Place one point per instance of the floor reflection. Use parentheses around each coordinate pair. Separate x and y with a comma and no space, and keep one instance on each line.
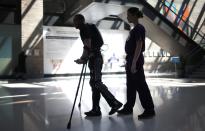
(45,105)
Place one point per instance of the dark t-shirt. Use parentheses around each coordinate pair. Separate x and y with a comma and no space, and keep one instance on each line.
(90,31)
(137,33)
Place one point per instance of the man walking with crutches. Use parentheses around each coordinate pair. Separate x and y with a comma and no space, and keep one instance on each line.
(92,41)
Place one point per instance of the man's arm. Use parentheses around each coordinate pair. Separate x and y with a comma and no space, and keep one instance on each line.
(87,43)
(86,51)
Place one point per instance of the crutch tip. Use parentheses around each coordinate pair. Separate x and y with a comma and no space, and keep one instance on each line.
(79,105)
(69,125)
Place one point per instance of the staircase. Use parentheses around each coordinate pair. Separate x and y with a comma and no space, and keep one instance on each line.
(195,59)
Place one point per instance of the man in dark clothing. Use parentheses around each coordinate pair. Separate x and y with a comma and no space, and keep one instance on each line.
(92,41)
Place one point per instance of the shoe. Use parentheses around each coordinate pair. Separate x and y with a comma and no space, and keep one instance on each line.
(93,113)
(125,111)
(115,108)
(147,114)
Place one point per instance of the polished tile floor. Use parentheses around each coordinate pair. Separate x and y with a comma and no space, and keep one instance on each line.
(45,105)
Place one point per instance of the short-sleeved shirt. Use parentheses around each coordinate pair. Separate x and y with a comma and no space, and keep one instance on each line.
(137,33)
(90,31)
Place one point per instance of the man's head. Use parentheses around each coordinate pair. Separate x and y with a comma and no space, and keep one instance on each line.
(78,21)
(133,14)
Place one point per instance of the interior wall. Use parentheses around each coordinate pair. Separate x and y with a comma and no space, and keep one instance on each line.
(32,42)
(62,45)
(10,44)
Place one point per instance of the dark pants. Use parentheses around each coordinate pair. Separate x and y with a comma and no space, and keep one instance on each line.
(98,88)
(136,83)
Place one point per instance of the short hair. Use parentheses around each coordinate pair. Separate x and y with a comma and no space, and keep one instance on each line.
(135,11)
(79,18)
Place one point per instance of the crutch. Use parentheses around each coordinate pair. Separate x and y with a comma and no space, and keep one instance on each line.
(69,123)
(79,105)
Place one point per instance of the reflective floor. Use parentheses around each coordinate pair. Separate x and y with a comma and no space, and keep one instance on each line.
(45,105)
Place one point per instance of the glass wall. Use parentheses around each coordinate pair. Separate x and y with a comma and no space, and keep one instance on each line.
(10,35)
(5,52)
(187,15)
